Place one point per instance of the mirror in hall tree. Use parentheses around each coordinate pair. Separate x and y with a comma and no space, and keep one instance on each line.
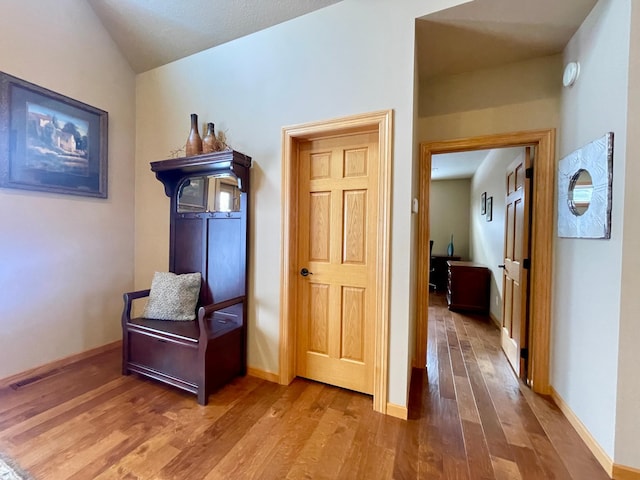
(584,190)
(209,194)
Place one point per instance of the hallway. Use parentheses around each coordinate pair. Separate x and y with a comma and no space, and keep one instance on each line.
(477,420)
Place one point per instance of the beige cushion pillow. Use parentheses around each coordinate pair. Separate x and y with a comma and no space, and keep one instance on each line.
(173,297)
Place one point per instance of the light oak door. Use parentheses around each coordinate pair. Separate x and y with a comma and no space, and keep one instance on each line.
(514,334)
(337,218)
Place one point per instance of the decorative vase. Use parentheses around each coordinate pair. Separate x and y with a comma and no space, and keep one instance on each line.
(194,142)
(209,142)
(450,247)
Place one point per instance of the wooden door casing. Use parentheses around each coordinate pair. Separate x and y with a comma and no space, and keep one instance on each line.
(514,332)
(542,216)
(337,206)
(380,122)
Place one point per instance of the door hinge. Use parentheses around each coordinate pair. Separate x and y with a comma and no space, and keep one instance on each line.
(524,353)
(526,264)
(528,173)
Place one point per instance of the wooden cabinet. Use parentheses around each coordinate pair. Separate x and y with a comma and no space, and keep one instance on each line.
(208,234)
(439,270)
(468,287)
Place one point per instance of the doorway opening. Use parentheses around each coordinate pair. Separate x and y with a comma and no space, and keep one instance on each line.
(542,201)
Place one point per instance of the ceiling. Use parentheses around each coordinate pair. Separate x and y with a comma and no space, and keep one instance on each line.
(452,166)
(479,34)
(488,33)
(460,165)
(151,33)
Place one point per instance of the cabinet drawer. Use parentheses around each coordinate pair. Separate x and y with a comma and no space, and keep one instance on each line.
(168,357)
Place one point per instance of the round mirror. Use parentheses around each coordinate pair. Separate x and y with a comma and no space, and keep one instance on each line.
(580,192)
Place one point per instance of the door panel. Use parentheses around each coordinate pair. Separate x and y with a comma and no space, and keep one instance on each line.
(353,315)
(318,319)
(355,227)
(320,229)
(515,279)
(337,194)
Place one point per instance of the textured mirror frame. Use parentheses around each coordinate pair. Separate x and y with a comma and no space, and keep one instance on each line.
(597,159)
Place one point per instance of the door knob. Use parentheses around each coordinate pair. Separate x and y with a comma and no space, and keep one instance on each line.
(502,266)
(304,272)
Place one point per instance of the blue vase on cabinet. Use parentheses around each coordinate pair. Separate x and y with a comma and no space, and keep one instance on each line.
(450,247)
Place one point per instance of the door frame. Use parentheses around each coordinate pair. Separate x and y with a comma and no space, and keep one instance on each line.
(541,253)
(382,123)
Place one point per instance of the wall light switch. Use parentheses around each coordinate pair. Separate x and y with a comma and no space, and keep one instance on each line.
(414,205)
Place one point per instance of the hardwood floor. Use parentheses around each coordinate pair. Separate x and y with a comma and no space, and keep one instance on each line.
(469,419)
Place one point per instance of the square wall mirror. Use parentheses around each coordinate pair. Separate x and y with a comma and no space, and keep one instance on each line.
(584,190)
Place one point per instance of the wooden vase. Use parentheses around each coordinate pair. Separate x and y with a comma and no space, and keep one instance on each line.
(209,142)
(194,142)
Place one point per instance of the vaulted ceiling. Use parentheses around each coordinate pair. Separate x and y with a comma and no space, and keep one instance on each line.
(478,34)
(151,33)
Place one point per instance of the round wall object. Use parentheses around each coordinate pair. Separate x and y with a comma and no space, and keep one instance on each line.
(571,73)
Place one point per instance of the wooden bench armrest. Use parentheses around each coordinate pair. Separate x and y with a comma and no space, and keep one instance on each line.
(137,294)
(129,297)
(205,311)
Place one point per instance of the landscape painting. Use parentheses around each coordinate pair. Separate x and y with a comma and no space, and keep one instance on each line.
(56,142)
(50,142)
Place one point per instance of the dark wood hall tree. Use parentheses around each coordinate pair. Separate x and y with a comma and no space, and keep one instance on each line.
(208,234)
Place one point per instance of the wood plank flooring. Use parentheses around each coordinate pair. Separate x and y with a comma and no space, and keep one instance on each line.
(470,418)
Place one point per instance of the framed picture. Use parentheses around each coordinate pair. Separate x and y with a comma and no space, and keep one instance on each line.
(49,142)
(483,203)
(489,209)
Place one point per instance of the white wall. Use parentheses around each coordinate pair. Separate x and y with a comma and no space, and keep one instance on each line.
(627,419)
(586,310)
(449,215)
(66,260)
(349,58)
(487,238)
(519,82)
(495,100)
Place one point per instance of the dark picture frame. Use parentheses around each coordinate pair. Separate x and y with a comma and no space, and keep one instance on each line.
(489,209)
(50,142)
(483,203)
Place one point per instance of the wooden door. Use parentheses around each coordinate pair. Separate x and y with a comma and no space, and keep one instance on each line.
(514,336)
(337,219)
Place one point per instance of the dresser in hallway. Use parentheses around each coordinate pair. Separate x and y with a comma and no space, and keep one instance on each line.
(468,286)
